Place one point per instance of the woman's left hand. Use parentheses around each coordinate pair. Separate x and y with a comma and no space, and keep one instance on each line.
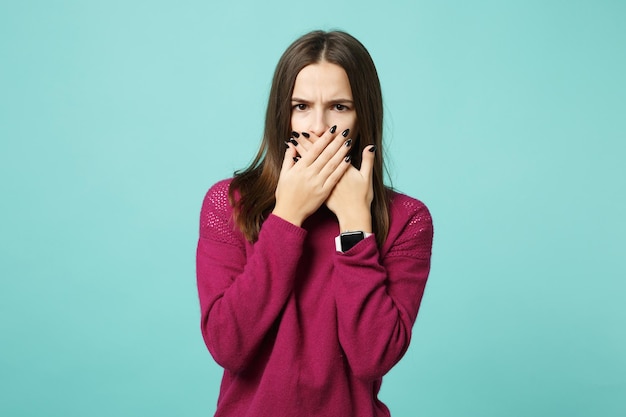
(351,199)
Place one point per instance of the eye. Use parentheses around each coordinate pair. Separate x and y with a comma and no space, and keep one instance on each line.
(340,107)
(300,107)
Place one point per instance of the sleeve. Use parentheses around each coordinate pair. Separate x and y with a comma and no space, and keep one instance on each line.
(241,296)
(377,301)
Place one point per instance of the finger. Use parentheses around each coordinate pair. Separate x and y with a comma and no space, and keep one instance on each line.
(311,146)
(304,139)
(302,143)
(340,157)
(337,148)
(305,146)
(317,144)
(338,172)
(341,160)
(367,164)
(290,155)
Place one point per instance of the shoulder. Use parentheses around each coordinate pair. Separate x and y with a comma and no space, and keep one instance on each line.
(218,191)
(411,225)
(402,206)
(216,213)
(216,199)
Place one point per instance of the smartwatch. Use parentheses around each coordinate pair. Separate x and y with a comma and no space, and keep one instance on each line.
(345,241)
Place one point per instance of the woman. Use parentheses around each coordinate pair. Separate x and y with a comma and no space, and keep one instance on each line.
(310,271)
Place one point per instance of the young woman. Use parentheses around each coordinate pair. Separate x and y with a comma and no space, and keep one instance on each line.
(310,271)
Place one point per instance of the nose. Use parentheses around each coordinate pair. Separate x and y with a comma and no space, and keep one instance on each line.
(319,124)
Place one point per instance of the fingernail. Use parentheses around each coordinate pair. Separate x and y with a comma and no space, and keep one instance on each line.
(347,158)
(295,134)
(333,129)
(296,158)
(373,149)
(348,142)
(345,133)
(287,143)
(295,142)
(306,135)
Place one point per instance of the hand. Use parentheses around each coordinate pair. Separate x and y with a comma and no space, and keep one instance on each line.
(305,183)
(351,199)
(352,196)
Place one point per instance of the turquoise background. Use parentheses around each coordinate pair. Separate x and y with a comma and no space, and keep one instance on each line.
(506,117)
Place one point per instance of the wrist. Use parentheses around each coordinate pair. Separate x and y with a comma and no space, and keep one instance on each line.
(288,216)
(359,220)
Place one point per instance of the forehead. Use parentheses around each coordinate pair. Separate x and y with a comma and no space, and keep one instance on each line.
(322,78)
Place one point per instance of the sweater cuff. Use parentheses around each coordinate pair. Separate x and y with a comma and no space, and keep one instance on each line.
(358,266)
(278,225)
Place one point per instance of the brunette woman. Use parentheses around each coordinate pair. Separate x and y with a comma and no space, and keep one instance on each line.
(310,270)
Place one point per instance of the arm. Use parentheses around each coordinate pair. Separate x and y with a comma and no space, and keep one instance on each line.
(241,295)
(378,301)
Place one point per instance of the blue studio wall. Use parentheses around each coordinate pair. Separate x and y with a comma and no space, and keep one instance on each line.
(507,118)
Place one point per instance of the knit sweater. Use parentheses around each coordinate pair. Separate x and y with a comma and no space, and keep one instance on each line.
(299,328)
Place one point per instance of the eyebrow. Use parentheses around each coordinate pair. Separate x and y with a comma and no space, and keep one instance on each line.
(337,100)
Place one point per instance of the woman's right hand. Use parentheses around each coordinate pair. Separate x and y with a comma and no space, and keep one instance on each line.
(305,183)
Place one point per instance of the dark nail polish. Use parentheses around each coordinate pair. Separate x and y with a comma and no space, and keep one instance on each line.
(373,149)
(348,158)
(348,142)
(306,135)
(287,143)
(296,158)
(295,142)
(295,134)
(345,133)
(333,129)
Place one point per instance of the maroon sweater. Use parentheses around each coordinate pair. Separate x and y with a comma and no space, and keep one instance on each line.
(299,328)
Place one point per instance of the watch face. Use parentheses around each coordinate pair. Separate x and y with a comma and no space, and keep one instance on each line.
(349,239)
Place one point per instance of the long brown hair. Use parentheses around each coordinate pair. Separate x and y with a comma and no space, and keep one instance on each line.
(252,191)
